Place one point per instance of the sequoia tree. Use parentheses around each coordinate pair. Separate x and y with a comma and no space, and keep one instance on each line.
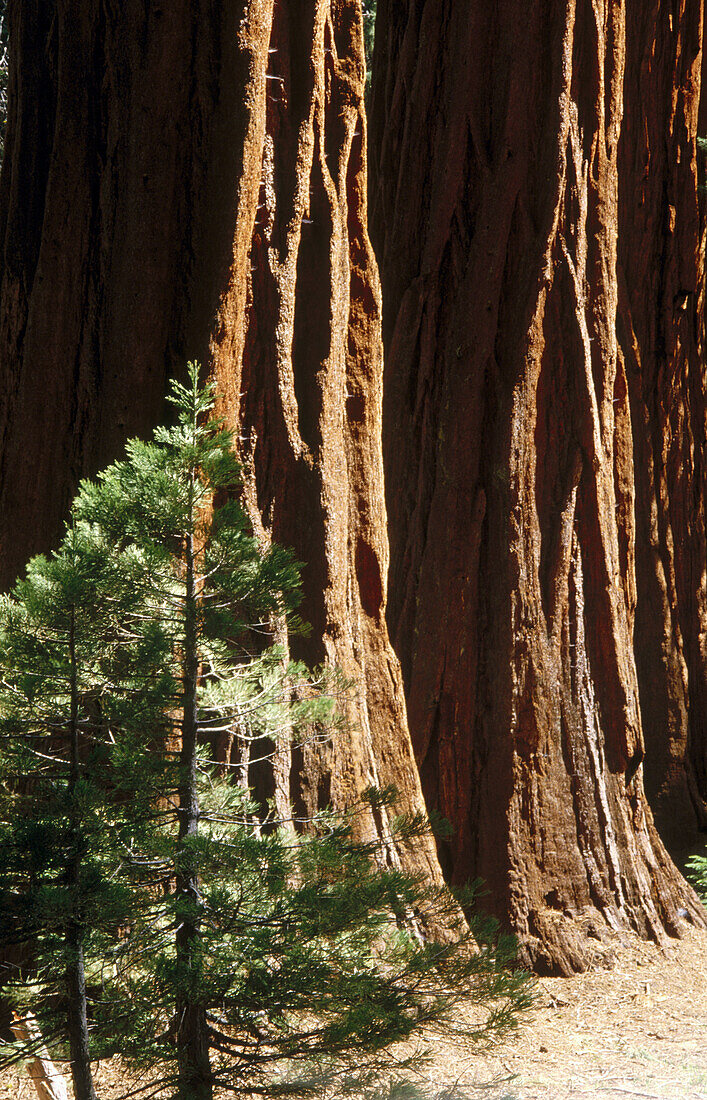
(527,550)
(187,180)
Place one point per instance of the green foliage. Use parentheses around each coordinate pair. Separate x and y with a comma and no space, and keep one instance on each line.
(225,942)
(697,868)
(369,28)
(306,976)
(702,154)
(369,34)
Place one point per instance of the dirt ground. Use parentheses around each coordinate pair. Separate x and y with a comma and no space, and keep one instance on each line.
(635,1026)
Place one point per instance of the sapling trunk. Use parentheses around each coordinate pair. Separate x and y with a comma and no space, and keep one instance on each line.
(195,1079)
(77,1013)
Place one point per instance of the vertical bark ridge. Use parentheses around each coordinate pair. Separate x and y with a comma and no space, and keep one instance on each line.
(307,402)
(509,459)
(661,271)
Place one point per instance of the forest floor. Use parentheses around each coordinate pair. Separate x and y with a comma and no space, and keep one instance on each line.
(633,1026)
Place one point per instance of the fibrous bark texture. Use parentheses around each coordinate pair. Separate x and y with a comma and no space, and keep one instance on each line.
(660,328)
(49,1083)
(509,443)
(187,180)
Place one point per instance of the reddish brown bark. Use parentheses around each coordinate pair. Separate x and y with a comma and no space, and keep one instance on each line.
(660,310)
(188,180)
(509,449)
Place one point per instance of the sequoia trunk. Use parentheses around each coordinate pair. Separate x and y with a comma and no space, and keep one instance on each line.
(187,180)
(509,447)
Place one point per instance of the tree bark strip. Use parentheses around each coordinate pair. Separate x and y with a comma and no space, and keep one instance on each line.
(48,1082)
(509,451)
